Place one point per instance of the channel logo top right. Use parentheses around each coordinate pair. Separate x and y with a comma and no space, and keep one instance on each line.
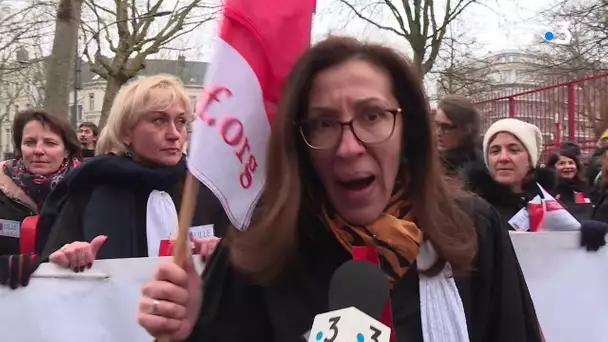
(559,34)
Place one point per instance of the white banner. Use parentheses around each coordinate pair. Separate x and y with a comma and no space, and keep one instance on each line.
(84,307)
(569,287)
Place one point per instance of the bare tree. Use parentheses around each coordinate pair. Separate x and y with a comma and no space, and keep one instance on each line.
(32,77)
(63,57)
(135,37)
(20,26)
(584,56)
(23,28)
(457,70)
(422,23)
(589,24)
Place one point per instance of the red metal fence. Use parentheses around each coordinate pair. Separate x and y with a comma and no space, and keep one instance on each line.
(572,110)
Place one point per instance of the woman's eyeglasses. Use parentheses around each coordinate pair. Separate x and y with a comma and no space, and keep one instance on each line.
(444,127)
(372,127)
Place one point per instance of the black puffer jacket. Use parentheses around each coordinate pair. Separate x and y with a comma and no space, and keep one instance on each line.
(454,161)
(15,205)
(567,188)
(477,178)
(595,165)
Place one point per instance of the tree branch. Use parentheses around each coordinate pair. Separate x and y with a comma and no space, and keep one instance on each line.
(370,21)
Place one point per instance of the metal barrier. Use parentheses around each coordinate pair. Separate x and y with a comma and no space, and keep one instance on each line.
(567,110)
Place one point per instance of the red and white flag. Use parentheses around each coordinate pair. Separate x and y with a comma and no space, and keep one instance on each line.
(259,41)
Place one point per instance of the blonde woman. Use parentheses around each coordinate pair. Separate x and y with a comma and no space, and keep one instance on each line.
(104,210)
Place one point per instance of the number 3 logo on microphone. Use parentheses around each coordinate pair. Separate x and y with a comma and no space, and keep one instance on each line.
(333,328)
(333,333)
(348,325)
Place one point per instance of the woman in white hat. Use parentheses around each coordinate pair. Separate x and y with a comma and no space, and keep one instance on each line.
(511,150)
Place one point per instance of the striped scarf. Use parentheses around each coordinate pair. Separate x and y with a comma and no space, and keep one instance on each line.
(396,238)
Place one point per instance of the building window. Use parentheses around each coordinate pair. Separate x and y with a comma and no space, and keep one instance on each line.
(91,101)
(29,105)
(8,140)
(193,103)
(78,114)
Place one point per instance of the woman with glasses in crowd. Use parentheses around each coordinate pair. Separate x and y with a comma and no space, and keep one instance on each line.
(457,127)
(353,161)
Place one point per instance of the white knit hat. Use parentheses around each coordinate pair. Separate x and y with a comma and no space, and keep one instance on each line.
(528,134)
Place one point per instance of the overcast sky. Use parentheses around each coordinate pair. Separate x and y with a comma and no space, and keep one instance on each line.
(497,25)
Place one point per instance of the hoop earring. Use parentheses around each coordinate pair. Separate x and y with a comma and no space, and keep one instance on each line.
(129,152)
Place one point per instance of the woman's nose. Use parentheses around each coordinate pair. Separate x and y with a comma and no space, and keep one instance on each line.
(38,149)
(503,156)
(173,132)
(348,144)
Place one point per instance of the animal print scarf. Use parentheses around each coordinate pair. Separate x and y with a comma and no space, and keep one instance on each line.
(396,237)
(37,187)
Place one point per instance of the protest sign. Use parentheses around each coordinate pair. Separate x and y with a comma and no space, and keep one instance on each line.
(567,283)
(83,307)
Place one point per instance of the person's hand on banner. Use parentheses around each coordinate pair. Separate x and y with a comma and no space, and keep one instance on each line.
(205,246)
(593,234)
(171,301)
(78,255)
(16,269)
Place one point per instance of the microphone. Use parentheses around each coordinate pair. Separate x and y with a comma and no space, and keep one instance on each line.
(358,293)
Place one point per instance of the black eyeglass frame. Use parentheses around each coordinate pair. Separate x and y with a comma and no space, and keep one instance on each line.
(444,127)
(350,125)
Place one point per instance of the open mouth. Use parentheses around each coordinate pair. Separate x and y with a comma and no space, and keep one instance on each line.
(358,184)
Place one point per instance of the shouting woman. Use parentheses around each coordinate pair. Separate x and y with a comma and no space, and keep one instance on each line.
(353,161)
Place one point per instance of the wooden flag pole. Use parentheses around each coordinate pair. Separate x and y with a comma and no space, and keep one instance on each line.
(181,246)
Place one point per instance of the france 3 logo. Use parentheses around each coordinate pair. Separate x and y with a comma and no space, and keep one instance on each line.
(559,33)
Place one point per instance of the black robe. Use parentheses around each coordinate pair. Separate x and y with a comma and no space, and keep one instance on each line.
(108,195)
(477,179)
(495,296)
(455,160)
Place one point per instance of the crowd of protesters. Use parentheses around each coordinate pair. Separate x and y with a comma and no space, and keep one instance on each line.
(365,143)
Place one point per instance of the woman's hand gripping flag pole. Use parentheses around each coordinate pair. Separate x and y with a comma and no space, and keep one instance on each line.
(181,246)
